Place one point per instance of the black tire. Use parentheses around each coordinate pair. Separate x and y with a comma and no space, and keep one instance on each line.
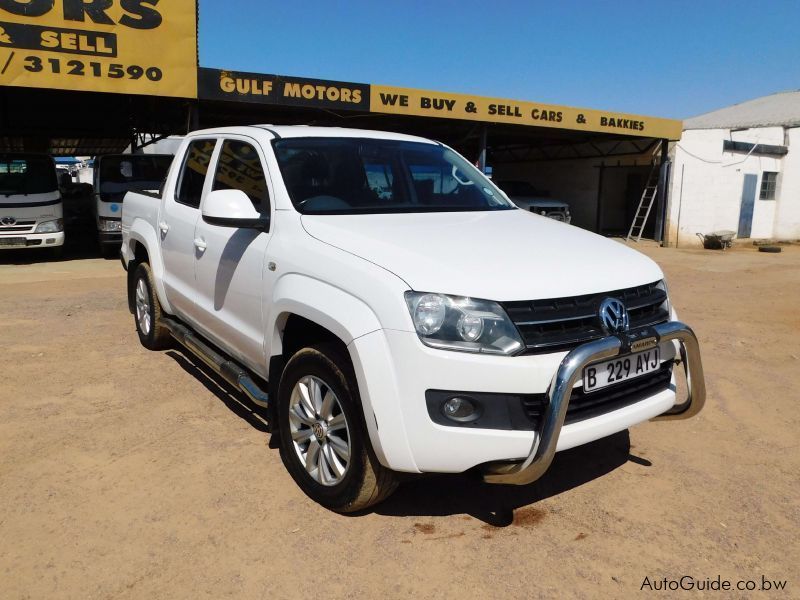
(365,481)
(57,253)
(769,249)
(156,336)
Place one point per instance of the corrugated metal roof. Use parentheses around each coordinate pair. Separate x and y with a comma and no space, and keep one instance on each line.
(776,110)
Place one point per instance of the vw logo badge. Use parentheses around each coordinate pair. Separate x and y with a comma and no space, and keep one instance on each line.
(8,221)
(613,316)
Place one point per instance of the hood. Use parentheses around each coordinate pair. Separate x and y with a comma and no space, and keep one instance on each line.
(495,255)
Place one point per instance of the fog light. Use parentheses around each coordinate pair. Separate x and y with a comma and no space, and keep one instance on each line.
(460,408)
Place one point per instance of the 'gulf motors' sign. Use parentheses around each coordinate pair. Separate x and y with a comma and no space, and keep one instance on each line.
(123,46)
(261,88)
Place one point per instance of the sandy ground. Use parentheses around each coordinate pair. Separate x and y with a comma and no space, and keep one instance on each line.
(131,474)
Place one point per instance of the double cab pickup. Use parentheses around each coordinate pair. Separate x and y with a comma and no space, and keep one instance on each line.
(368,290)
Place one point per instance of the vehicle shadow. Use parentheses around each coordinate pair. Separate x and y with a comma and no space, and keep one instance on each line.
(450,494)
(466,493)
(236,402)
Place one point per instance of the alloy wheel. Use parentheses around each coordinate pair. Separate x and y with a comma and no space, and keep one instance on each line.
(319,430)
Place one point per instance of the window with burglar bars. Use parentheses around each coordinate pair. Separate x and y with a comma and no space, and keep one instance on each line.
(769,181)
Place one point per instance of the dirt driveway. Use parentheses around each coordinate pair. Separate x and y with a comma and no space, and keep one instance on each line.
(131,474)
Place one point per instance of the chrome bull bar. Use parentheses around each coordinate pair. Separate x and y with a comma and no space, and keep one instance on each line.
(544,444)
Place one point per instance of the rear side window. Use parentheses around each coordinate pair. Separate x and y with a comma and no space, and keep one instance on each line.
(240,168)
(193,173)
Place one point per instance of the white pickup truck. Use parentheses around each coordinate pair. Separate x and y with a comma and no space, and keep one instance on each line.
(367,289)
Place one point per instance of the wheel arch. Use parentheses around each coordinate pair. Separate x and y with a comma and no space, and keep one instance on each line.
(142,245)
(328,307)
(307,311)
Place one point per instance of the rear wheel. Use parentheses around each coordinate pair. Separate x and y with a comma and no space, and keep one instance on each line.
(147,310)
(323,439)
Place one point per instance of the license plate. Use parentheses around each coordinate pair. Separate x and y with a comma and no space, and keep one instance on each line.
(622,368)
(13,241)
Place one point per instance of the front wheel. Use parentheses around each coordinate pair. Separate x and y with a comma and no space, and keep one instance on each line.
(323,440)
(147,310)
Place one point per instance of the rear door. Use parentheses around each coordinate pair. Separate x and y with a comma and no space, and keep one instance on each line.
(230,271)
(176,227)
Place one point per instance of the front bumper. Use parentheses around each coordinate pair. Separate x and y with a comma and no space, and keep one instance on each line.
(110,238)
(570,370)
(394,370)
(31,240)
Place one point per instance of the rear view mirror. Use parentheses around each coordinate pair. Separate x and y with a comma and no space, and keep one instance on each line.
(232,208)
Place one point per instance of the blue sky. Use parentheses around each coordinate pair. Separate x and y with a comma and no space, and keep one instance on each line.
(669,58)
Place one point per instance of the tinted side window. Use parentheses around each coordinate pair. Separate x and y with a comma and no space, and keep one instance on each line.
(193,175)
(239,168)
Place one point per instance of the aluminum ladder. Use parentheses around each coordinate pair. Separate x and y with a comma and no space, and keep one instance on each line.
(649,195)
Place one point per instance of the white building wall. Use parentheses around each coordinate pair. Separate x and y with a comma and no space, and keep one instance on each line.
(787,209)
(706,185)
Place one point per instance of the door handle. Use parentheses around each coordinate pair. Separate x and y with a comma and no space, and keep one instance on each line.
(200,244)
(163,226)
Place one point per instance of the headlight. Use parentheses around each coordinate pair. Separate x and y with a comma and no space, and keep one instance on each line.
(464,324)
(110,225)
(50,226)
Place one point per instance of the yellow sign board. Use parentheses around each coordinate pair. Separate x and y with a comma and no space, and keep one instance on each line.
(123,46)
(422,103)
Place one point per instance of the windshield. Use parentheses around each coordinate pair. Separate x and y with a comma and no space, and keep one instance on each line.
(363,176)
(121,174)
(27,175)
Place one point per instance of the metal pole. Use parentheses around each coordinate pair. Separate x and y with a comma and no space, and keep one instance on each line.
(661,205)
(193,118)
(599,198)
(482,154)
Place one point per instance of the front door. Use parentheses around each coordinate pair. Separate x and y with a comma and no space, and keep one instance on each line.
(748,203)
(231,270)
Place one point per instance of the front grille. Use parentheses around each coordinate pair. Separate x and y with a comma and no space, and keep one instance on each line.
(17,227)
(585,406)
(560,324)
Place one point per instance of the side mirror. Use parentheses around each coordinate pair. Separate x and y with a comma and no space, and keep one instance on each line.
(232,208)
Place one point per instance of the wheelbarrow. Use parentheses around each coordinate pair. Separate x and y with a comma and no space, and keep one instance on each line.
(717,240)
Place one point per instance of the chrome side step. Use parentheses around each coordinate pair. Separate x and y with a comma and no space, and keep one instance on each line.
(226,368)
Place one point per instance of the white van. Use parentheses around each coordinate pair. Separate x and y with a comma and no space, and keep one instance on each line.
(114,176)
(31,210)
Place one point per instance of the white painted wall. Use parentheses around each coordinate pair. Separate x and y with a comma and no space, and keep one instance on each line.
(787,213)
(706,186)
